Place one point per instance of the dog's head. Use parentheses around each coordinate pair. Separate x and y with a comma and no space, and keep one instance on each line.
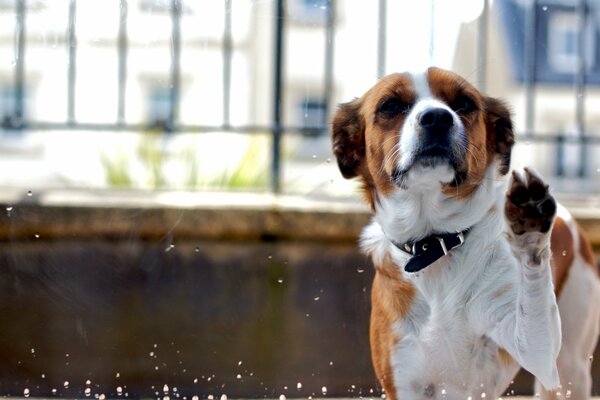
(410,131)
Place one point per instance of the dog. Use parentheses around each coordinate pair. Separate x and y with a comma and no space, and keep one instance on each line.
(478,271)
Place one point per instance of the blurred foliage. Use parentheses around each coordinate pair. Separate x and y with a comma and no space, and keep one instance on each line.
(164,163)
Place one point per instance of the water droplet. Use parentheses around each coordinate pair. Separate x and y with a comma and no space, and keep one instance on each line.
(166,398)
(151,354)
(545,8)
(282,397)
(328,160)
(483,395)
(43,376)
(195,397)
(568,394)
(324,390)
(444,392)
(239,376)
(591,358)
(36,235)
(299,385)
(314,156)
(66,384)
(102,397)
(330,363)
(223,397)
(170,247)
(87,392)
(270,257)
(166,389)
(317,298)
(119,390)
(279,280)
(117,375)
(29,193)
(197,249)
(32,351)
(9,210)
(360,270)
(196,380)
(53,391)
(88,382)
(211,397)
(26,392)
(564,253)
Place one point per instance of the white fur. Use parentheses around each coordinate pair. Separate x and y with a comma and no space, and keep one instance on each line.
(482,297)
(411,132)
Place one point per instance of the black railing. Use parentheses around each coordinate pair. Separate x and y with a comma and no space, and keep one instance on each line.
(277,127)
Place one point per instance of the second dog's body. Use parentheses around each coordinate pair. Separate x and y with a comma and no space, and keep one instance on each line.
(464,292)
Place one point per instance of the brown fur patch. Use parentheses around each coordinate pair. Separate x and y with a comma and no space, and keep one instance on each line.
(563,253)
(585,249)
(504,357)
(391,297)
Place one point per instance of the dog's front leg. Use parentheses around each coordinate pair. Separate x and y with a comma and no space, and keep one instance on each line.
(531,330)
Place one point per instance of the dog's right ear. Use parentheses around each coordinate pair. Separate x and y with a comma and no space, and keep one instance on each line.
(348,137)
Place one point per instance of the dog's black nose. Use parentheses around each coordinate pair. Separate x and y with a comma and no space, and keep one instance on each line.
(436,120)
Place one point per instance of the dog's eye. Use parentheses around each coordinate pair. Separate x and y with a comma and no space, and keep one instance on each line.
(463,105)
(392,106)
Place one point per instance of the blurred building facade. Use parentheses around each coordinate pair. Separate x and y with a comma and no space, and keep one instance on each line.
(124,66)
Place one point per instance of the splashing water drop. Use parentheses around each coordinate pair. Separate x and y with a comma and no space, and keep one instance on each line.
(166,389)
(66,384)
(119,390)
(26,392)
(299,385)
(87,392)
(324,390)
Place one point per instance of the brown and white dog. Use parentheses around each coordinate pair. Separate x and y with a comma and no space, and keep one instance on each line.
(469,264)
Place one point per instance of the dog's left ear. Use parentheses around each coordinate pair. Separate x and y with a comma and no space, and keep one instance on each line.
(500,133)
(348,137)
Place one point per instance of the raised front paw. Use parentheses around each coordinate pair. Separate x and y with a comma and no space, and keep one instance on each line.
(529,206)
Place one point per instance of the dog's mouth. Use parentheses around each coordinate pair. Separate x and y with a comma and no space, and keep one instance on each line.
(429,158)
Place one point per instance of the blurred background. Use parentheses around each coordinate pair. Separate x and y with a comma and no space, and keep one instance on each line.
(175,222)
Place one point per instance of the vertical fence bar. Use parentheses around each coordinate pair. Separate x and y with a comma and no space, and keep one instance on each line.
(329,49)
(175,63)
(227,55)
(431,32)
(18,112)
(482,30)
(276,129)
(123,47)
(580,79)
(529,72)
(381,39)
(71,72)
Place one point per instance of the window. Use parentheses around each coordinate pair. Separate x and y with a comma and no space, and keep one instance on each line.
(563,43)
(309,11)
(313,113)
(557,27)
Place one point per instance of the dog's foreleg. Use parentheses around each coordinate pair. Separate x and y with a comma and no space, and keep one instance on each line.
(531,330)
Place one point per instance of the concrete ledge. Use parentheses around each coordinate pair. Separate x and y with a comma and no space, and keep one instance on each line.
(219,216)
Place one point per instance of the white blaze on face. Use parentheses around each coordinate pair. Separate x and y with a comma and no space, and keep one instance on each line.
(410,134)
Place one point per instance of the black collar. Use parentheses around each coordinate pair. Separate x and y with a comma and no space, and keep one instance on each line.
(426,251)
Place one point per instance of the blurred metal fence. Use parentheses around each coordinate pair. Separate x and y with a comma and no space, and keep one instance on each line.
(277,128)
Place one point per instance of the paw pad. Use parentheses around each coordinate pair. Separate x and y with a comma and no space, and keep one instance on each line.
(529,206)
